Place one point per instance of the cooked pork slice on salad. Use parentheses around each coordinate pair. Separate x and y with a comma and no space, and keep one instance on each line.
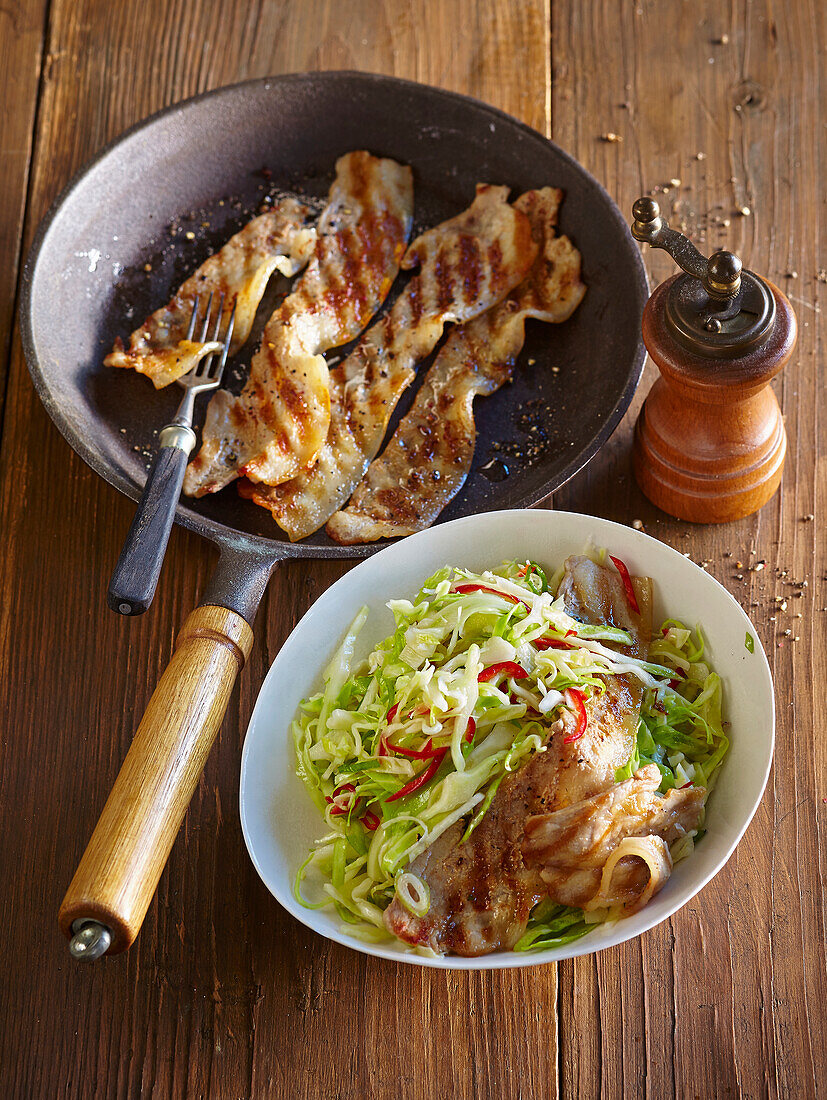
(523,758)
(572,845)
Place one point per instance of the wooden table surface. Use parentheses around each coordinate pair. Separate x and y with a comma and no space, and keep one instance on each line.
(224,995)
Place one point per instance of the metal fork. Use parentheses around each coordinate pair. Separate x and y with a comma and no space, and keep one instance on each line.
(135,578)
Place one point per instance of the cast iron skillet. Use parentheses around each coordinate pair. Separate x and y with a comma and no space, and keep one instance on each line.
(142,215)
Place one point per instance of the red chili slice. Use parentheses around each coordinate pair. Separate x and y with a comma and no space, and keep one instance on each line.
(505,668)
(555,643)
(687,784)
(344,788)
(578,699)
(338,811)
(627,583)
(675,684)
(425,753)
(370,820)
(464,588)
(421,779)
(389,717)
(428,751)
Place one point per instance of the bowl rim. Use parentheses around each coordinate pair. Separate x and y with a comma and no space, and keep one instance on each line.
(501,959)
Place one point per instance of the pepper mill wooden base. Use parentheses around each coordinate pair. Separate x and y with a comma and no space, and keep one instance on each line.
(710,442)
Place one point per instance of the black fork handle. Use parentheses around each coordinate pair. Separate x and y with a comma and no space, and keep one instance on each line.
(136,574)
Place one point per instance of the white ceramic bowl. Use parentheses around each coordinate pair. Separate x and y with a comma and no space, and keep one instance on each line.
(279,820)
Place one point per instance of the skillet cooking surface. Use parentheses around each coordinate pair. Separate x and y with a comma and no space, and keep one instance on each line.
(204,166)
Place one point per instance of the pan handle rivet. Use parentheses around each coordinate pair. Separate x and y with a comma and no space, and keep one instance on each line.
(125,608)
(90,940)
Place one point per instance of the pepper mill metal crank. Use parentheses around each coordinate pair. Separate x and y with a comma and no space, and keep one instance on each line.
(710,442)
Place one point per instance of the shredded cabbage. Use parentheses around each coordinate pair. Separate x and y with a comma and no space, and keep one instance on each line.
(402,745)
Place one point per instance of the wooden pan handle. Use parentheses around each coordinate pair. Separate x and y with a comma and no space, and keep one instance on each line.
(124,859)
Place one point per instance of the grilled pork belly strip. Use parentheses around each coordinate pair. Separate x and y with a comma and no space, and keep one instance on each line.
(278,423)
(483,891)
(571,846)
(279,240)
(426,462)
(466,265)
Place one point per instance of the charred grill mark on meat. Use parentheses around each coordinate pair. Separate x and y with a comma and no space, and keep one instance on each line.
(426,462)
(570,846)
(279,240)
(364,390)
(279,422)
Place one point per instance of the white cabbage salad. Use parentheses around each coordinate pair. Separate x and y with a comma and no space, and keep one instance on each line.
(398,747)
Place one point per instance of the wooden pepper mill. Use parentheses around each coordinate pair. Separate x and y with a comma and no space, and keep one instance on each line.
(710,442)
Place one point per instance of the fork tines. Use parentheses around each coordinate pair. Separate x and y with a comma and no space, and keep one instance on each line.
(204,369)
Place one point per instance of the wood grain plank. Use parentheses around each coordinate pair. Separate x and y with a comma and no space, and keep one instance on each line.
(579,1037)
(658,989)
(749,107)
(223,993)
(22,44)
